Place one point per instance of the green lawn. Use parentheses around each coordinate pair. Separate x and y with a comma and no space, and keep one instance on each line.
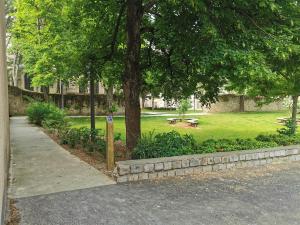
(221,125)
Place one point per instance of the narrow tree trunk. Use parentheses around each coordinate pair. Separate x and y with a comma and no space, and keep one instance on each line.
(62,95)
(294,112)
(45,91)
(132,76)
(152,102)
(110,99)
(92,107)
(143,101)
(242,103)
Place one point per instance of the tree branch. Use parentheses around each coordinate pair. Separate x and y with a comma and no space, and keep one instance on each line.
(115,33)
(147,6)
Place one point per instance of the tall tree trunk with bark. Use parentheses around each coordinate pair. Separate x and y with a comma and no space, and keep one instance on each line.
(45,91)
(152,102)
(242,103)
(92,106)
(294,112)
(132,76)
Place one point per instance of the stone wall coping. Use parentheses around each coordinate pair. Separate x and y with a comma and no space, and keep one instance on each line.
(207,155)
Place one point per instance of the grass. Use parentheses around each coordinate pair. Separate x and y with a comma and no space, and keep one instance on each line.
(217,126)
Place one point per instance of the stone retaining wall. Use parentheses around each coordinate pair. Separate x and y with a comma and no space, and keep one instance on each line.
(75,104)
(134,170)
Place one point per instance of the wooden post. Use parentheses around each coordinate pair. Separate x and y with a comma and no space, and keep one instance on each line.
(110,157)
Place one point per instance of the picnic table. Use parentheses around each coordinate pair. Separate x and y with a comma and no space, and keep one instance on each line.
(173,120)
(193,122)
(283,120)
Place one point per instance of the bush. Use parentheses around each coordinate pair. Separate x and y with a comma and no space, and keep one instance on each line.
(46,115)
(172,144)
(81,137)
(279,139)
(38,111)
(289,129)
(226,145)
(164,145)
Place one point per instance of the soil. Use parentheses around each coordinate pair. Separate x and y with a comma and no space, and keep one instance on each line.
(14,217)
(95,159)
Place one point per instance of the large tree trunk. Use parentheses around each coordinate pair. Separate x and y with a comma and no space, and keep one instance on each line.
(294,112)
(242,103)
(92,107)
(132,76)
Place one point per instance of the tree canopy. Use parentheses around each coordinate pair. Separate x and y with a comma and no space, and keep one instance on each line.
(188,47)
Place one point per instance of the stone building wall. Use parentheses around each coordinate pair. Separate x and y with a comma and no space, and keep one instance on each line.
(231,103)
(75,104)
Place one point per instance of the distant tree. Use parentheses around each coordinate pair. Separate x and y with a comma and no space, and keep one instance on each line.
(183,107)
(275,70)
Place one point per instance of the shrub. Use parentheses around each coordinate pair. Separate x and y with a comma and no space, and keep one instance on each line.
(226,145)
(279,139)
(38,111)
(82,137)
(164,145)
(289,128)
(172,144)
(46,115)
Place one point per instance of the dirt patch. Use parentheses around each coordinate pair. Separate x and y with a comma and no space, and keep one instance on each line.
(95,159)
(14,217)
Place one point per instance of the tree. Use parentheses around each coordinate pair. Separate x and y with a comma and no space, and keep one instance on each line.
(38,36)
(278,47)
(183,107)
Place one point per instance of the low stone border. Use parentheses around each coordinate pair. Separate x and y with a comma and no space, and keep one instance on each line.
(143,169)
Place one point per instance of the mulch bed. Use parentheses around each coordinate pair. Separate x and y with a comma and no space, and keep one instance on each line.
(14,217)
(95,159)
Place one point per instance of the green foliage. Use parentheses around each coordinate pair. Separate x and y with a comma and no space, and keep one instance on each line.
(46,114)
(81,137)
(227,145)
(279,139)
(184,106)
(289,129)
(154,145)
(164,144)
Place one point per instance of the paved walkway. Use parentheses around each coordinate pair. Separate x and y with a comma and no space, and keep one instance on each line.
(54,188)
(41,166)
(245,197)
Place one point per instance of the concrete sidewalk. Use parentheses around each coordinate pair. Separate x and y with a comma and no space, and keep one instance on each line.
(40,166)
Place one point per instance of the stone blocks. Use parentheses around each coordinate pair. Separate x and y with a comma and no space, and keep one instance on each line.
(133,170)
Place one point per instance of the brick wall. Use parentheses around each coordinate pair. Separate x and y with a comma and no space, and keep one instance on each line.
(134,170)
